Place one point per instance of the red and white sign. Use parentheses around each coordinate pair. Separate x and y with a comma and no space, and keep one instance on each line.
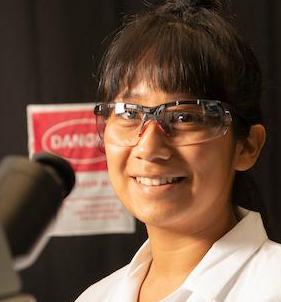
(69,130)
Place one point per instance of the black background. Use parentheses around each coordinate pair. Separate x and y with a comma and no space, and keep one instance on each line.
(49,52)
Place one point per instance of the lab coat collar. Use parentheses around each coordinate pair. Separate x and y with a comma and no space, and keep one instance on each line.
(135,273)
(227,256)
(224,258)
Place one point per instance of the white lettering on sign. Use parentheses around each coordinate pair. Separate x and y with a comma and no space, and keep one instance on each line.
(87,140)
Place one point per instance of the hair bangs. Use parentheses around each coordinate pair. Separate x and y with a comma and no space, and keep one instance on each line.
(165,59)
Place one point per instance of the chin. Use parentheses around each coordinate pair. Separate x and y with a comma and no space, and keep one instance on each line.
(161,218)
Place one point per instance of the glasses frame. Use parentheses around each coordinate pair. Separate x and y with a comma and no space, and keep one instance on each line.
(154,113)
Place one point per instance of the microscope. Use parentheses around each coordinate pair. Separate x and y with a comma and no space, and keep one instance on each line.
(10,283)
(31,192)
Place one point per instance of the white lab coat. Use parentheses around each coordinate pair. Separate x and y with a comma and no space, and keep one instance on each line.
(242,266)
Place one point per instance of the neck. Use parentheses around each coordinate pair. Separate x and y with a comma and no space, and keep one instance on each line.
(177,253)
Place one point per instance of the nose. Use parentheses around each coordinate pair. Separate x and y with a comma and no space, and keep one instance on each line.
(153,145)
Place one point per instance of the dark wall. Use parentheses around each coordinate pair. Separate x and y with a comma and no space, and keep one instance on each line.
(259,22)
(50,50)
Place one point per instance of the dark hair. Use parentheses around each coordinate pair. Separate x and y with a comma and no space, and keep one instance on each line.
(186,46)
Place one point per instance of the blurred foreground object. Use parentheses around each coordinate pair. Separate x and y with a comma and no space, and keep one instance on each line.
(31,192)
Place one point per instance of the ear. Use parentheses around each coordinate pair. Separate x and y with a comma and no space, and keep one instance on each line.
(248,150)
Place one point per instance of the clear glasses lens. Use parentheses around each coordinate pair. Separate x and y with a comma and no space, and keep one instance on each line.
(184,123)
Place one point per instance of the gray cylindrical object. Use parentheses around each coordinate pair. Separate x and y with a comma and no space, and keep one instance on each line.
(30,194)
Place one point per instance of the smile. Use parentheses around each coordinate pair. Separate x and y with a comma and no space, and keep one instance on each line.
(158,181)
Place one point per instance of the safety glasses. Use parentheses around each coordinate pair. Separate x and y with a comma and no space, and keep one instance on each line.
(183,122)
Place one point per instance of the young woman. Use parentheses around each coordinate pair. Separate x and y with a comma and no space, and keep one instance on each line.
(180,119)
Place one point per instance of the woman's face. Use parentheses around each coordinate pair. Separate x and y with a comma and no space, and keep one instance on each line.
(205,172)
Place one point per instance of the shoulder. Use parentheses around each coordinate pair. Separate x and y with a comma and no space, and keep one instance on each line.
(104,289)
(266,263)
(268,257)
(260,278)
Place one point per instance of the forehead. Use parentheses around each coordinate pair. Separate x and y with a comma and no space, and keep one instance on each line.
(143,94)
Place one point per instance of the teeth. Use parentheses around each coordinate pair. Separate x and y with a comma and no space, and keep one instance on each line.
(155,181)
(170,179)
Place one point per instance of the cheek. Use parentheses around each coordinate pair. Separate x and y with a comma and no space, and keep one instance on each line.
(212,165)
(116,162)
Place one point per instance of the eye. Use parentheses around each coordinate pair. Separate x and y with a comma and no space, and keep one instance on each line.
(130,114)
(187,121)
(187,117)
(128,118)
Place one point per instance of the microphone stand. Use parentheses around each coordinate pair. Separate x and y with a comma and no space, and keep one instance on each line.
(10,283)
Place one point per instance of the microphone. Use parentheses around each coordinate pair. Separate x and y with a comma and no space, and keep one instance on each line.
(31,191)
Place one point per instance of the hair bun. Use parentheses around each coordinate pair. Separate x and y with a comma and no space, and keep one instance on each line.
(177,6)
